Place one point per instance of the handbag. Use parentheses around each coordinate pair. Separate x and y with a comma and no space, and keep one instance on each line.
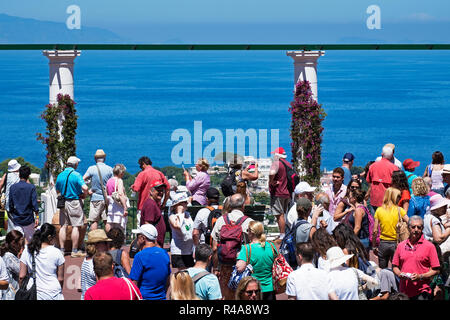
(280,271)
(115,195)
(30,294)
(61,199)
(361,294)
(236,276)
(401,228)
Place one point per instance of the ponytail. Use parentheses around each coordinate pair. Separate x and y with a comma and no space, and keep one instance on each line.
(41,235)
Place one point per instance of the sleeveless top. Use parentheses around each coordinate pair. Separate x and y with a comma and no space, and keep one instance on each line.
(364,231)
(436,179)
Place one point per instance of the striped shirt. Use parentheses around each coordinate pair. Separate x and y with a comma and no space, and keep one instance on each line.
(88,278)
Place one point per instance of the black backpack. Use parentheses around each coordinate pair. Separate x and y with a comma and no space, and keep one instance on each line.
(214,214)
(292,176)
(228,184)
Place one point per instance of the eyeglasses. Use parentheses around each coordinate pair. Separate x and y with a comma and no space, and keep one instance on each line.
(252,292)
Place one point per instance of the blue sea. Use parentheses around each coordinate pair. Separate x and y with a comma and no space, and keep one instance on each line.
(129,103)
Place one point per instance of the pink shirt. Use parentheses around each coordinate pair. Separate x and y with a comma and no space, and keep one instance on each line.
(418,258)
(380,178)
(198,187)
(112,289)
(335,198)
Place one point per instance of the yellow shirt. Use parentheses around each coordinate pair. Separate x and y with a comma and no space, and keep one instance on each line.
(388,220)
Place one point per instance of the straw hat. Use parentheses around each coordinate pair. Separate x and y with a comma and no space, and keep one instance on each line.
(97,235)
(100,154)
(336,257)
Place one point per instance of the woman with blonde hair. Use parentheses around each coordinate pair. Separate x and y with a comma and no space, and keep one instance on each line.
(249,288)
(199,185)
(182,287)
(420,200)
(260,255)
(387,217)
(241,187)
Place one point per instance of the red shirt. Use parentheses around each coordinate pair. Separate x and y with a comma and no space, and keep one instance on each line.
(380,178)
(112,289)
(278,187)
(418,258)
(143,182)
(151,213)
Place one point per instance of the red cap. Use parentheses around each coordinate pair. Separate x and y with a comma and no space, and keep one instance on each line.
(157,183)
(410,163)
(279,150)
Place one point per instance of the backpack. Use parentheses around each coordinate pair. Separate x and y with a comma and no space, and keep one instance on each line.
(119,271)
(287,247)
(292,176)
(228,184)
(214,214)
(231,238)
(371,225)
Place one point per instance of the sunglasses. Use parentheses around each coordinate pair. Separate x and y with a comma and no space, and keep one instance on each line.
(354,187)
(416,227)
(252,292)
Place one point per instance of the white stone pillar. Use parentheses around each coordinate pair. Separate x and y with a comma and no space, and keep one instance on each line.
(61,72)
(305,67)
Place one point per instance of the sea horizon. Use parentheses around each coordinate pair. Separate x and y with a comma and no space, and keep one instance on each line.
(130,103)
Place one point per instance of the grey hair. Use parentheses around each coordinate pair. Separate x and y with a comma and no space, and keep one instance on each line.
(236,201)
(119,169)
(415,218)
(427,181)
(323,199)
(387,152)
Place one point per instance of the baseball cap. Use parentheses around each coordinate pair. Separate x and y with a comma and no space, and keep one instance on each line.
(280,151)
(348,157)
(302,187)
(156,184)
(410,163)
(212,193)
(148,230)
(73,160)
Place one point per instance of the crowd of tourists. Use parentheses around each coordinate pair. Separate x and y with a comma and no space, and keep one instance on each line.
(381,234)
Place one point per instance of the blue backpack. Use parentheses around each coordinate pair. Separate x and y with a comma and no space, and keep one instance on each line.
(288,244)
(119,271)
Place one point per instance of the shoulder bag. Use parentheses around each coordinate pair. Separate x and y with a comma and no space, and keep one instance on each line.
(361,294)
(61,199)
(236,276)
(280,271)
(132,289)
(23,293)
(105,197)
(401,228)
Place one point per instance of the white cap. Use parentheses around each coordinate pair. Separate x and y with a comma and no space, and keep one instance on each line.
(303,187)
(73,160)
(148,230)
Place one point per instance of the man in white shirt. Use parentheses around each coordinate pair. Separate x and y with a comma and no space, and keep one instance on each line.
(201,229)
(308,282)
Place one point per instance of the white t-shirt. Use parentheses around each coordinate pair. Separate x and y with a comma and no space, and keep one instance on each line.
(344,282)
(3,271)
(47,262)
(308,283)
(182,242)
(428,221)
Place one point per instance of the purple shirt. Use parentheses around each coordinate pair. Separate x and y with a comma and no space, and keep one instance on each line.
(335,198)
(198,187)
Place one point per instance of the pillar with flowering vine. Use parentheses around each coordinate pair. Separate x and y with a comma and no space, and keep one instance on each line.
(307,117)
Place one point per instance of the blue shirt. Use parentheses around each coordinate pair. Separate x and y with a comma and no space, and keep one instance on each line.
(208,287)
(92,173)
(74,184)
(347,175)
(151,269)
(418,206)
(23,203)
(410,176)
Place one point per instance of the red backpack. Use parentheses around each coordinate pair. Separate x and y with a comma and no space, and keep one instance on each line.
(231,237)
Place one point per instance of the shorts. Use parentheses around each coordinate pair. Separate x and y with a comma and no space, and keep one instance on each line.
(72,214)
(182,261)
(97,211)
(279,206)
(27,231)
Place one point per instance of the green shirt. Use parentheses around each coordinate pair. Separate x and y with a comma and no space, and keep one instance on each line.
(261,260)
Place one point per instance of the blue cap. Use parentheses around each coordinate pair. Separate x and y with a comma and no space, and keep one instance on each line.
(348,157)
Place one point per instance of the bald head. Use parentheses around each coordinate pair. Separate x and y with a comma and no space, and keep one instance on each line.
(237,201)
